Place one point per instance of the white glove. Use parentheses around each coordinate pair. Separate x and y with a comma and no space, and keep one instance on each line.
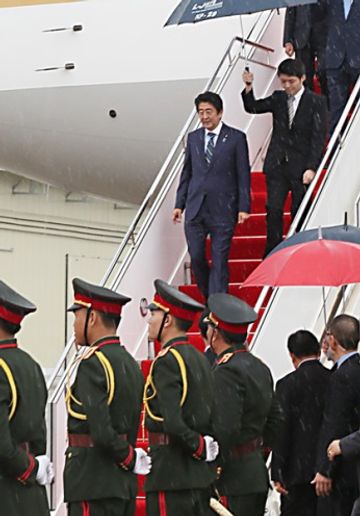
(142,462)
(45,473)
(212,448)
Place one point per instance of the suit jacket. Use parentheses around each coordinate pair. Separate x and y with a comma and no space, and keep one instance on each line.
(341,417)
(350,447)
(343,36)
(303,143)
(302,395)
(305,25)
(97,472)
(225,183)
(245,409)
(23,433)
(179,464)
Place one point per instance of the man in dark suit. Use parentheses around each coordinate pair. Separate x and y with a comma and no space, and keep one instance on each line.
(297,142)
(24,469)
(342,55)
(178,403)
(305,36)
(214,191)
(302,395)
(341,415)
(246,413)
(104,406)
(349,448)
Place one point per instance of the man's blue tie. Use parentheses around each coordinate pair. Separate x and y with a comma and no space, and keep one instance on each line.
(209,152)
(347,7)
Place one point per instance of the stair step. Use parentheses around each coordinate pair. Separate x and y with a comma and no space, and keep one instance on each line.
(258,181)
(258,202)
(239,270)
(197,341)
(256,225)
(140,506)
(244,247)
(248,294)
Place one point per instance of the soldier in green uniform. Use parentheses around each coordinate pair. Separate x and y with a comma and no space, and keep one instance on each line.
(24,469)
(178,403)
(246,416)
(104,405)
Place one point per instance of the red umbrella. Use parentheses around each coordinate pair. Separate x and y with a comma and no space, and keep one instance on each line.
(319,262)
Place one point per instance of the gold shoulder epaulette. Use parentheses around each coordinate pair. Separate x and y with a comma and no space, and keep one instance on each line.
(89,353)
(225,358)
(162,352)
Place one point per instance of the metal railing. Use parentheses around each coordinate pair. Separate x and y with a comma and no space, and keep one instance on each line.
(238,49)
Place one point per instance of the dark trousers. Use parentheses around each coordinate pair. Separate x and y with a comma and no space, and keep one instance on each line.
(307,55)
(279,182)
(215,278)
(343,499)
(339,82)
(106,507)
(301,500)
(16,499)
(356,508)
(246,505)
(194,502)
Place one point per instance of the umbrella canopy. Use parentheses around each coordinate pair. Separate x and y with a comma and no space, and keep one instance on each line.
(319,262)
(192,11)
(343,232)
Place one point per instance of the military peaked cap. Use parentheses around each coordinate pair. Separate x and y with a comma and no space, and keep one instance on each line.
(171,300)
(87,295)
(230,313)
(13,306)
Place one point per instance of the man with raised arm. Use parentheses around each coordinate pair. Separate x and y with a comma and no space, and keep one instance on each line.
(297,141)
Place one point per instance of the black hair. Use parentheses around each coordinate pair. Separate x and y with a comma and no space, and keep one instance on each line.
(8,327)
(182,325)
(291,67)
(110,320)
(212,98)
(346,330)
(232,338)
(303,343)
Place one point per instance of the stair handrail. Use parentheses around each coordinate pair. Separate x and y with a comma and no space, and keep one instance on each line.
(178,147)
(332,150)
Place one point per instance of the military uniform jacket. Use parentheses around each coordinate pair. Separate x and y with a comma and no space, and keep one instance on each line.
(179,398)
(105,403)
(245,409)
(23,398)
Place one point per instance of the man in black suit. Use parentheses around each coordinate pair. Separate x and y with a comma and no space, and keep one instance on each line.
(342,55)
(349,448)
(298,138)
(341,415)
(302,396)
(214,191)
(305,36)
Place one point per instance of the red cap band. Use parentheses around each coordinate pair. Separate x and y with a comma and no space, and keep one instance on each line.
(11,317)
(240,329)
(96,304)
(181,313)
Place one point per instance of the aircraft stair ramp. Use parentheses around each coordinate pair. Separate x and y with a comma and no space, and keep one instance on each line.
(154,247)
